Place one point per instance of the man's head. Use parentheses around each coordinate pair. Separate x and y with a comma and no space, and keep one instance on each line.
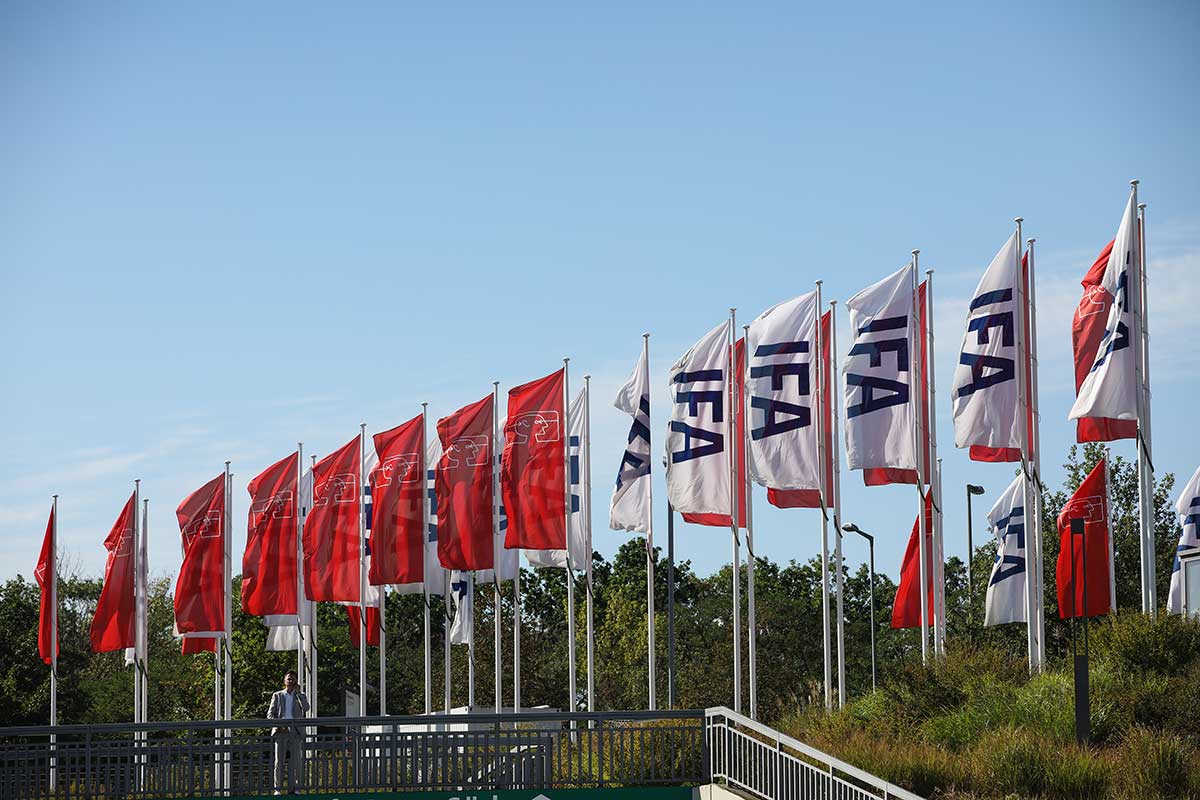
(289,680)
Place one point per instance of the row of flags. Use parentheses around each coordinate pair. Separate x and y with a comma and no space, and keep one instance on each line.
(436,514)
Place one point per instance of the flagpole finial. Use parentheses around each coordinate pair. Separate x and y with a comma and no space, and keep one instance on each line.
(746,328)
(1030,240)
(425,404)
(54,496)
(587,377)
(833,302)
(496,384)
(1018,220)
(1134,183)
(818,282)
(1141,206)
(565,360)
(928,272)
(645,336)
(916,252)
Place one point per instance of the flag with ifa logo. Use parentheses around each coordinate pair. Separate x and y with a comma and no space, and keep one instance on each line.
(464,487)
(699,430)
(397,497)
(113,623)
(533,469)
(1005,600)
(331,531)
(269,562)
(1083,569)
(200,587)
(1188,508)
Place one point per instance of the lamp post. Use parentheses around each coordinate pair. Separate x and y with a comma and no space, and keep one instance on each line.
(972,489)
(852,528)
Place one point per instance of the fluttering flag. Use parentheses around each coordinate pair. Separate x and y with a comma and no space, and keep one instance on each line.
(433,569)
(906,610)
(200,587)
(984,393)
(464,486)
(46,574)
(355,620)
(397,497)
(283,630)
(878,380)
(738,368)
(1106,357)
(464,607)
(1188,509)
(577,536)
(533,468)
(114,623)
(1006,587)
(698,450)
(331,532)
(1083,567)
(269,563)
(630,508)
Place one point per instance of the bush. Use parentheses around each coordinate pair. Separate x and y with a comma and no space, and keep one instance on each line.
(1152,764)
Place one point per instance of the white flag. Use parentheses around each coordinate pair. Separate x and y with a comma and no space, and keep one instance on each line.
(781,383)
(1006,586)
(984,389)
(464,607)
(878,375)
(1110,388)
(1188,508)
(630,509)
(433,567)
(577,538)
(698,435)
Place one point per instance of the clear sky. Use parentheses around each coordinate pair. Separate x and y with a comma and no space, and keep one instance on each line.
(226,228)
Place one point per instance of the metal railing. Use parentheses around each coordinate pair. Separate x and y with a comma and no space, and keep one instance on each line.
(532,750)
(749,756)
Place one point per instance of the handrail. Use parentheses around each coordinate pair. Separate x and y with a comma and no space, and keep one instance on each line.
(783,740)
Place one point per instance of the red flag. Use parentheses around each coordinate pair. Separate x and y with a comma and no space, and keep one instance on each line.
(906,611)
(356,626)
(198,644)
(113,624)
(464,487)
(46,575)
(532,473)
(1087,329)
(269,563)
(811,498)
(1089,503)
(397,505)
(200,587)
(331,531)
(739,378)
(882,476)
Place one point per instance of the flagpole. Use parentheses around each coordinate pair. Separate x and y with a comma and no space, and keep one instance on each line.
(746,489)
(471,643)
(652,704)
(731,394)
(426,621)
(517,637)
(572,685)
(835,457)
(137,676)
(819,407)
(446,640)
(383,589)
(139,651)
(362,579)
(918,450)
(227,641)
(1036,446)
(302,673)
(495,459)
(1145,454)
(53,580)
(1024,408)
(585,509)
(939,571)
(1108,520)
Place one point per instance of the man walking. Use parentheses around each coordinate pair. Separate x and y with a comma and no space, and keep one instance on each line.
(287,704)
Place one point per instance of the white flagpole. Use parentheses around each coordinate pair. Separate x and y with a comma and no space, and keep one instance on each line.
(470,598)
(652,704)
(302,673)
(746,488)
(731,394)
(53,581)
(572,686)
(1034,560)
(585,509)
(137,675)
(819,408)
(383,590)
(362,579)
(939,572)
(918,452)
(1145,453)
(1112,568)
(227,641)
(446,622)
(424,476)
(835,457)
(310,637)
(140,650)
(495,458)
(1023,406)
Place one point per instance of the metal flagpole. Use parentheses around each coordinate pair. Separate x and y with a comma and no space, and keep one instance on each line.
(572,686)
(746,488)
(670,605)
(424,475)
(137,675)
(446,622)
(819,407)
(517,637)
(652,704)
(52,579)
(495,460)
(1035,442)
(1145,453)
(383,589)
(939,568)
(140,651)
(310,634)
(1112,570)
(471,643)
(362,579)
(1026,482)
(585,509)
(227,641)
(835,458)
(732,395)
(301,672)
(919,450)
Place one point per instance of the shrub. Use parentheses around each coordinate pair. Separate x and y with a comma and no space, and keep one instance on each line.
(1140,645)
(1152,764)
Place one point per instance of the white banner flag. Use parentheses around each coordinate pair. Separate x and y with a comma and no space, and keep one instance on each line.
(464,608)
(1188,508)
(630,510)
(1006,587)
(782,383)
(698,441)
(577,539)
(1110,388)
(433,567)
(984,389)
(878,375)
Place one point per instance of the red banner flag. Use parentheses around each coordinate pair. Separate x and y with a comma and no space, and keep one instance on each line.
(739,378)
(200,587)
(463,485)
(46,575)
(397,505)
(811,498)
(356,625)
(331,531)
(882,476)
(269,563)
(1087,329)
(1089,503)
(532,472)
(113,624)
(198,644)
(906,611)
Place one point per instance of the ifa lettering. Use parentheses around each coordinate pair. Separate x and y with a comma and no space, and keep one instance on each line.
(780,416)
(879,392)
(713,442)
(1010,565)
(543,427)
(989,370)
(1118,338)
(636,461)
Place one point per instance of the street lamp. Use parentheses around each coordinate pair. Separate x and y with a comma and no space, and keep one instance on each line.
(852,528)
(972,489)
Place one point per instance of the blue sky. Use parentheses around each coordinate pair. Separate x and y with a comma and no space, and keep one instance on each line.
(226,228)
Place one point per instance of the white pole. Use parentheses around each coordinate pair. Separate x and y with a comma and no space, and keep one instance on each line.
(939,571)
(1023,404)
(362,579)
(140,651)
(137,674)
(227,641)
(1112,570)
(819,408)
(1145,452)
(53,581)
(446,622)
(585,508)
(1036,445)
(747,489)
(919,450)
(732,395)
(653,704)
(471,643)
(572,685)
(495,458)
(383,589)
(426,621)
(301,672)
(310,630)
(835,457)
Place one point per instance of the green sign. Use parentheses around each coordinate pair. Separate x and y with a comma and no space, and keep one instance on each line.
(627,793)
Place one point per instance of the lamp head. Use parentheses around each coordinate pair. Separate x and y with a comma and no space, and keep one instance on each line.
(973,489)
(851,528)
